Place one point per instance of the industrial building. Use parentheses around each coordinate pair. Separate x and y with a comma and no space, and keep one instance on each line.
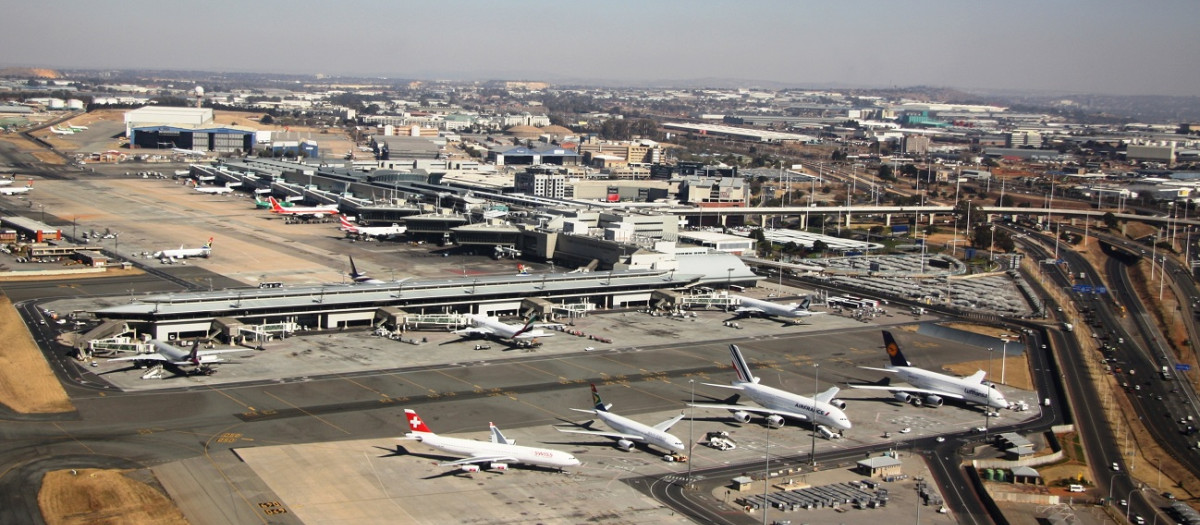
(155,127)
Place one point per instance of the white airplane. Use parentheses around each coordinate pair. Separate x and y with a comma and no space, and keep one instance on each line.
(482,325)
(494,455)
(212,190)
(315,212)
(750,306)
(6,182)
(627,431)
(13,190)
(73,127)
(188,152)
(61,131)
(930,387)
(394,230)
(169,256)
(822,411)
(175,358)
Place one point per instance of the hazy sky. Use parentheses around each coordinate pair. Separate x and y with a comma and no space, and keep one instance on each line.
(1092,46)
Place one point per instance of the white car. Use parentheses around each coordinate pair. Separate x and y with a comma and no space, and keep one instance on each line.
(589,348)
(905,430)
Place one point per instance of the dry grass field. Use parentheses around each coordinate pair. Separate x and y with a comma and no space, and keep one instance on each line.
(92,497)
(26,383)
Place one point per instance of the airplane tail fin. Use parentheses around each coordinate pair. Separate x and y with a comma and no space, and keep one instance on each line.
(415,423)
(599,403)
(274,204)
(739,364)
(354,269)
(209,243)
(805,303)
(194,355)
(498,437)
(893,350)
(346,224)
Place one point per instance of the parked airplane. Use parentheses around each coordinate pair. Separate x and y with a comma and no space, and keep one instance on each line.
(13,190)
(930,387)
(212,190)
(777,404)
(188,152)
(61,131)
(627,431)
(482,325)
(494,455)
(394,230)
(266,205)
(73,127)
(170,356)
(750,306)
(169,256)
(6,182)
(315,212)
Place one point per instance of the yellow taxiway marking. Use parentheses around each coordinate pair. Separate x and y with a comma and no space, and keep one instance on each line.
(305,412)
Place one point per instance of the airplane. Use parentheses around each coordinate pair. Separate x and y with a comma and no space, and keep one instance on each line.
(73,127)
(750,306)
(315,212)
(188,152)
(265,205)
(627,431)
(213,190)
(372,231)
(175,358)
(361,278)
(168,256)
(482,325)
(61,131)
(493,455)
(13,190)
(821,411)
(6,182)
(930,387)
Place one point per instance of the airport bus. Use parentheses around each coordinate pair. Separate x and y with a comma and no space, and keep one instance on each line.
(852,302)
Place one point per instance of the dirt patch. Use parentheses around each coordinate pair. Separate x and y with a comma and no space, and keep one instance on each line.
(990,331)
(48,157)
(1015,370)
(27,385)
(92,496)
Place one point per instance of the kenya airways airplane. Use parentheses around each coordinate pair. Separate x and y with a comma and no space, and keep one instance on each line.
(493,455)
(394,230)
(316,212)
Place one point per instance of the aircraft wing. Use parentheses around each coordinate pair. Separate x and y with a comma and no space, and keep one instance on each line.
(477,459)
(533,334)
(757,410)
(748,309)
(911,389)
(616,435)
(203,353)
(475,330)
(142,357)
(666,425)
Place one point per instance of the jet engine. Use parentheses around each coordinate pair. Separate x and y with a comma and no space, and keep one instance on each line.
(470,468)
(741,416)
(933,401)
(902,397)
(498,466)
(625,444)
(775,421)
(837,403)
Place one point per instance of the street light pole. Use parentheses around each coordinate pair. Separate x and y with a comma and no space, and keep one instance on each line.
(987,410)
(1003,354)
(766,473)
(812,457)
(691,436)
(728,279)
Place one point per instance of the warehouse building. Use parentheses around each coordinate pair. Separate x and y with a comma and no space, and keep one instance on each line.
(155,127)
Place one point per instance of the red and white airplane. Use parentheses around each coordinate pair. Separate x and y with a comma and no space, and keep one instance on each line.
(394,230)
(493,455)
(316,212)
(13,190)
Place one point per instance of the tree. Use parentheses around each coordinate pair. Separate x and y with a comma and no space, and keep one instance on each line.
(1005,201)
(1110,220)
(885,172)
(819,246)
(266,119)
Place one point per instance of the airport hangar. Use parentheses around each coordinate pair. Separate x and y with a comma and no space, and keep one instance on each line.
(229,313)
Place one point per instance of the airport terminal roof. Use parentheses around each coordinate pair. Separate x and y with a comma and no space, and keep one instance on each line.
(196,128)
(336,296)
